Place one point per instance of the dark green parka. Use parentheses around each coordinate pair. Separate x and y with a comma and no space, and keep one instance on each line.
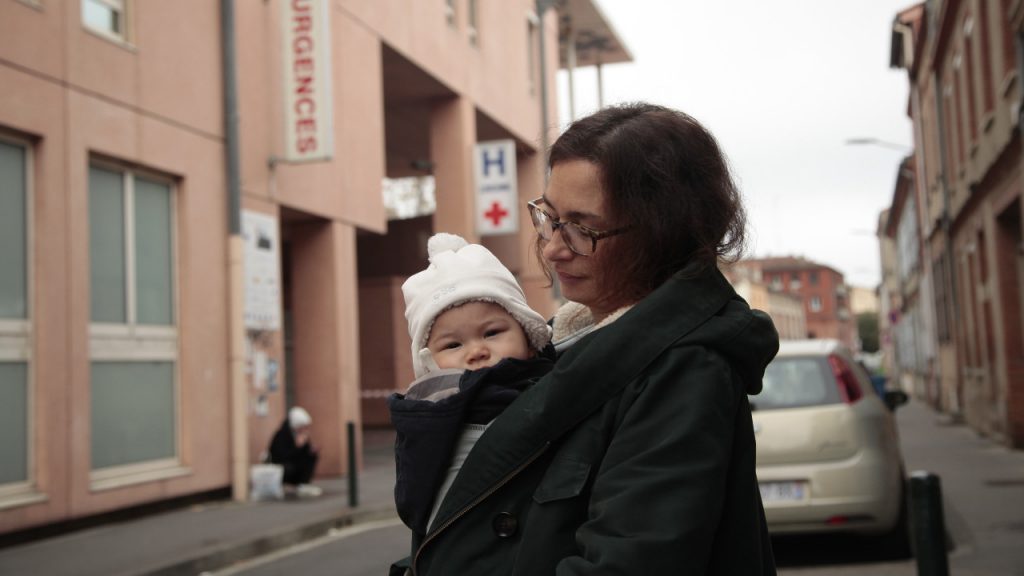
(635,455)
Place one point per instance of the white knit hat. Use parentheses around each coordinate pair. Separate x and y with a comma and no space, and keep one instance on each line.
(458,273)
(298,417)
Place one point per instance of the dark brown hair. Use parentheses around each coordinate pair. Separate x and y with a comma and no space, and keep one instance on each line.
(664,175)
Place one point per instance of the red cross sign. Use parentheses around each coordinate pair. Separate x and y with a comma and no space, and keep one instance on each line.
(496,213)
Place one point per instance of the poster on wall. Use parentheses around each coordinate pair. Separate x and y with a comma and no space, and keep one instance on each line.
(497,194)
(306,77)
(262,271)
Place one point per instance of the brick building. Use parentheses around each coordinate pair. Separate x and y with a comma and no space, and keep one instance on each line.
(963,62)
(821,288)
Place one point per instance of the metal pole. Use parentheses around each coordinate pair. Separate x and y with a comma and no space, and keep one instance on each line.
(236,275)
(600,86)
(542,8)
(928,524)
(572,72)
(353,472)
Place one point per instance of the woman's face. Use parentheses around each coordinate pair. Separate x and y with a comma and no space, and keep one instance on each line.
(575,194)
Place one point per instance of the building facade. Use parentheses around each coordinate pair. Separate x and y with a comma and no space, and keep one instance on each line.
(154,325)
(963,64)
(786,310)
(909,311)
(821,289)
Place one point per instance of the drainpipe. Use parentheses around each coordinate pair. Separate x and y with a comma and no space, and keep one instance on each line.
(542,8)
(238,405)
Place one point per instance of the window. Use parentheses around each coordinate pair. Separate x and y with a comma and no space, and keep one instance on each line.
(472,28)
(15,318)
(133,331)
(776,282)
(812,277)
(815,303)
(106,17)
(449,12)
(532,28)
(794,282)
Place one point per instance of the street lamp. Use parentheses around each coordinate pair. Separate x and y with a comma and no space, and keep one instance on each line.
(877,142)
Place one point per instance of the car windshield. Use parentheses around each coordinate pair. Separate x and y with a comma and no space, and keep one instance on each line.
(797,381)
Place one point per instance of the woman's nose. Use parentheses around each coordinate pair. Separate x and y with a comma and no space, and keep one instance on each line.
(556,249)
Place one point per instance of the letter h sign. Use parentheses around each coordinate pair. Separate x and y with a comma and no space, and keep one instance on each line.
(497,194)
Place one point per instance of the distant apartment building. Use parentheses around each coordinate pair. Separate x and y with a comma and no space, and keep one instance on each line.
(888,297)
(786,310)
(198,234)
(821,289)
(964,68)
(863,300)
(908,289)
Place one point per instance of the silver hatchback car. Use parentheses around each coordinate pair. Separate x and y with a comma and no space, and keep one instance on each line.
(828,453)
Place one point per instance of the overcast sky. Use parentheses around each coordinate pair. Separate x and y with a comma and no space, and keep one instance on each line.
(782,84)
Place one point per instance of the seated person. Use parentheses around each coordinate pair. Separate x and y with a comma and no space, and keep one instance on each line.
(292,449)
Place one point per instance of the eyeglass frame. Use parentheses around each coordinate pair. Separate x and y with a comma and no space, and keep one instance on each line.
(557,223)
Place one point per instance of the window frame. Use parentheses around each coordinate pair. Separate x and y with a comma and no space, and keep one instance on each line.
(815,304)
(121,7)
(532,50)
(450,13)
(473,22)
(16,341)
(131,341)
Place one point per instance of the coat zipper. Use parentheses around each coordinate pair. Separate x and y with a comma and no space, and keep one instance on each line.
(474,503)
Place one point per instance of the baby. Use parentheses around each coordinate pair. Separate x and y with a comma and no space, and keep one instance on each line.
(476,345)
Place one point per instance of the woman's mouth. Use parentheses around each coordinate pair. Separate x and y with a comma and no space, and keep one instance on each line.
(566,278)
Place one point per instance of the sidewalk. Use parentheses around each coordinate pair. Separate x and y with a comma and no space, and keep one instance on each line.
(213,535)
(982,482)
(982,486)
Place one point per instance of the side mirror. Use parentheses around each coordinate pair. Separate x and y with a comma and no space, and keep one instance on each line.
(895,398)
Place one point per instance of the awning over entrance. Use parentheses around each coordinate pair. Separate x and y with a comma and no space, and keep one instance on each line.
(587,38)
(584,29)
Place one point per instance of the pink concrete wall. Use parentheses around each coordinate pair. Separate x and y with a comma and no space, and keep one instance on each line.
(36,110)
(492,74)
(347,187)
(80,96)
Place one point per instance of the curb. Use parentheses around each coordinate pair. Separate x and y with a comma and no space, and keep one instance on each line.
(228,554)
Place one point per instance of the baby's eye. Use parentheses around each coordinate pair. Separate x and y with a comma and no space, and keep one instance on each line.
(450,346)
(493,332)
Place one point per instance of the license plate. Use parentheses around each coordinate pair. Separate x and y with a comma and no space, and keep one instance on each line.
(783,491)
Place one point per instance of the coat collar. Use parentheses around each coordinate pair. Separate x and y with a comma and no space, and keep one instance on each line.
(583,380)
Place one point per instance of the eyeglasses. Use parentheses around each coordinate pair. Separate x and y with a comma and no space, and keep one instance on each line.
(580,239)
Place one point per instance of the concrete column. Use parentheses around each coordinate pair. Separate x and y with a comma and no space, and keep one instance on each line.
(326,330)
(452,136)
(528,269)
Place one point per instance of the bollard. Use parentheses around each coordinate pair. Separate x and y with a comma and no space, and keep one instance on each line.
(928,524)
(353,472)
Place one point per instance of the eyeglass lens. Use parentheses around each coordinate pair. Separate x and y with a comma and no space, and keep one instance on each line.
(573,236)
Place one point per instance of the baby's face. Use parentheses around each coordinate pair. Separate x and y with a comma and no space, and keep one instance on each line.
(475,335)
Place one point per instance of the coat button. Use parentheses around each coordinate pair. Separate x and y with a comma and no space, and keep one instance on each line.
(505,525)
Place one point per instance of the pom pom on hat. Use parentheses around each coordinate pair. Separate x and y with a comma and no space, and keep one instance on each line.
(298,417)
(460,272)
(444,242)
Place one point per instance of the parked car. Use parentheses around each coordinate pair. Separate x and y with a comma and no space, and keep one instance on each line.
(828,453)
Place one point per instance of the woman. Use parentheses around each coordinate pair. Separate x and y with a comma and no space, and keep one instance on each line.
(635,455)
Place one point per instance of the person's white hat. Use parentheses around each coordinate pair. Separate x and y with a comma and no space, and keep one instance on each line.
(298,417)
(460,272)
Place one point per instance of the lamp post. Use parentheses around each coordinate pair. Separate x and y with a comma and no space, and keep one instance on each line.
(878,142)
